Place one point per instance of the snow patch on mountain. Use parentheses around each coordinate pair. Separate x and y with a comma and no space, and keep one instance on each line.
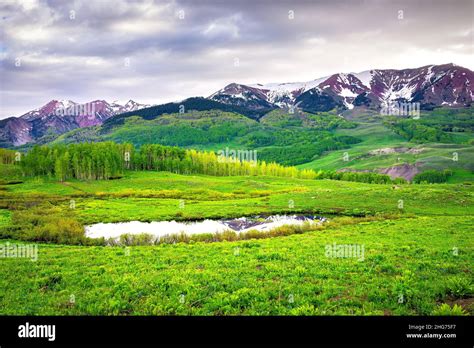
(365,77)
(61,116)
(430,85)
(284,94)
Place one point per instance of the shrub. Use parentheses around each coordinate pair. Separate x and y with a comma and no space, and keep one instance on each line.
(47,223)
(446,310)
(432,176)
(459,287)
(136,239)
(366,177)
(60,230)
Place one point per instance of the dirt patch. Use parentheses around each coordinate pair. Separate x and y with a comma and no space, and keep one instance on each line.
(390,150)
(466,303)
(406,171)
(68,184)
(415,150)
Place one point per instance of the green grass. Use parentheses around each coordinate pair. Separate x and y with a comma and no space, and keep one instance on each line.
(5,218)
(417,259)
(411,259)
(9,172)
(150,196)
(376,136)
(408,252)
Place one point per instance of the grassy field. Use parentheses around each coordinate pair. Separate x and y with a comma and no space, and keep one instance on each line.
(376,136)
(415,258)
(410,267)
(149,196)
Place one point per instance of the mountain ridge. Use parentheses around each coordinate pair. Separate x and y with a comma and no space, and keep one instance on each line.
(60,116)
(431,86)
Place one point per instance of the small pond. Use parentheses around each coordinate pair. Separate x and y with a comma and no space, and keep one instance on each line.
(162,228)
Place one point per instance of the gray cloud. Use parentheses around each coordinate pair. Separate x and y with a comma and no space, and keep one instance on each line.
(171,58)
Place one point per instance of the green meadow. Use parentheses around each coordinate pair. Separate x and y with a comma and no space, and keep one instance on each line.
(411,266)
(417,256)
(396,248)
(375,136)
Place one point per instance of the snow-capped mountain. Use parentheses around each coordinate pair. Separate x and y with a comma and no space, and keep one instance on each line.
(431,86)
(60,116)
(242,95)
(284,94)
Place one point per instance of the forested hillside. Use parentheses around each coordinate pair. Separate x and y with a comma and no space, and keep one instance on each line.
(318,141)
(97,161)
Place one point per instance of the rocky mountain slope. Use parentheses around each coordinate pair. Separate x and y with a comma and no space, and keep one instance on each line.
(431,86)
(60,116)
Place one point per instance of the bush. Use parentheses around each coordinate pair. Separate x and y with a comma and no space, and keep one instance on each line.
(61,230)
(47,223)
(399,181)
(446,310)
(432,176)
(459,287)
(136,239)
(366,177)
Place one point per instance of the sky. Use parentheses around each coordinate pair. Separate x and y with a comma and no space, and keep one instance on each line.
(162,51)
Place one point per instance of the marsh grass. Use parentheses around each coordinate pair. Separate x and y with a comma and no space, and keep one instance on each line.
(231,236)
(47,223)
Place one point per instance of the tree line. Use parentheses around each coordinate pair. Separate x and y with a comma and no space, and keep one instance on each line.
(417,132)
(86,161)
(432,176)
(9,156)
(365,177)
(106,160)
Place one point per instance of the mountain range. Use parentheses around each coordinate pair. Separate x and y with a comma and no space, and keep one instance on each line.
(60,116)
(431,86)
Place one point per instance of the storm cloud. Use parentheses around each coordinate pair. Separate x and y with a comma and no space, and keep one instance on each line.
(161,51)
